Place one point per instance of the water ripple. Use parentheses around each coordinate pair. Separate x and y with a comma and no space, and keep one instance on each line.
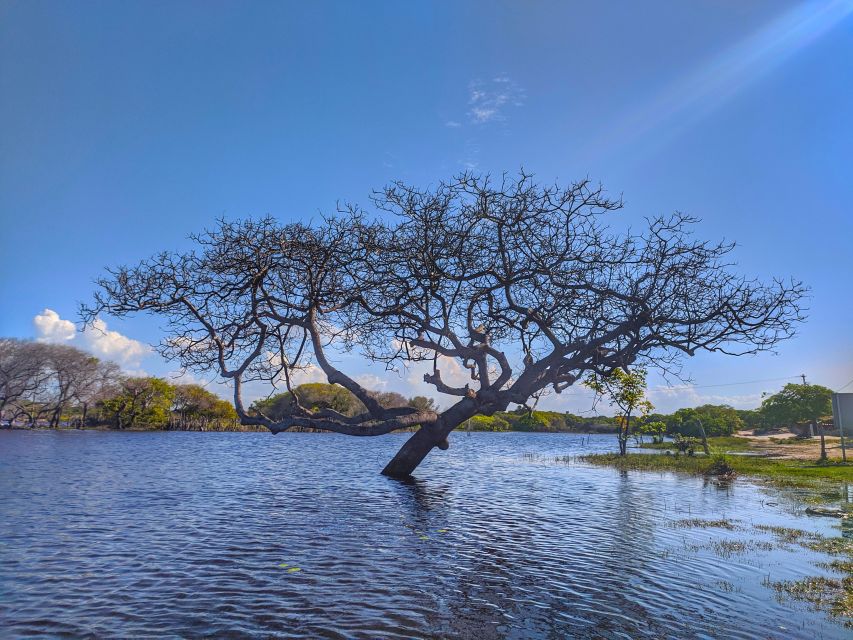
(245,535)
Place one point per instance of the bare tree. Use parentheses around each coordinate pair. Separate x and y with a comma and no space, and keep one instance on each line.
(95,381)
(525,286)
(44,381)
(70,370)
(25,379)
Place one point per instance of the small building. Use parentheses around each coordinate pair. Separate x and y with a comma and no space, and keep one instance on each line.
(842,413)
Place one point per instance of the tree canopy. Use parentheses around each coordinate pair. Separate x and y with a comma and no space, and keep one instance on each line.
(627,391)
(525,286)
(717,420)
(797,403)
(41,382)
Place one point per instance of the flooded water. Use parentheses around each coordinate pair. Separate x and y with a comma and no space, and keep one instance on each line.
(297,535)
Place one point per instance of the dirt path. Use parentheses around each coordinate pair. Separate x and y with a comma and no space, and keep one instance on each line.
(782,445)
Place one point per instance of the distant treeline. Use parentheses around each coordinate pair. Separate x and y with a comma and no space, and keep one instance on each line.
(316,396)
(717,420)
(60,385)
(52,385)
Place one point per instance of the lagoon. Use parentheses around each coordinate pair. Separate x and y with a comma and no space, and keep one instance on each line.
(505,535)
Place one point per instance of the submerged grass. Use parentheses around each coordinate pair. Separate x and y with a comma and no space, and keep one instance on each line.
(828,594)
(822,479)
(716,443)
(832,546)
(698,523)
(844,566)
(825,594)
(729,548)
(831,595)
(785,471)
(787,534)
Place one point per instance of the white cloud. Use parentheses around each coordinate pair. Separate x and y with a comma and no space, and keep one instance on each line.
(98,339)
(136,373)
(453,374)
(258,389)
(310,373)
(51,328)
(452,124)
(488,100)
(665,399)
(221,387)
(112,345)
(669,399)
(371,381)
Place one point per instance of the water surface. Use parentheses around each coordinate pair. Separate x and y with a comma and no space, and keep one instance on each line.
(297,535)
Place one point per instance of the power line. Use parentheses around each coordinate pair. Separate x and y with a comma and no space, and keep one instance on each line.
(684,387)
(844,387)
(724,384)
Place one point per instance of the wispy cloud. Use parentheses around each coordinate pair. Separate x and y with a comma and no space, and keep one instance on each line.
(471,157)
(669,399)
(372,381)
(489,100)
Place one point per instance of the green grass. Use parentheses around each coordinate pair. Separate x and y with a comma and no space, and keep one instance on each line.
(698,523)
(832,595)
(789,535)
(716,444)
(824,594)
(789,472)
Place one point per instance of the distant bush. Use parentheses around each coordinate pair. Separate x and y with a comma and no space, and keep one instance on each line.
(718,420)
(486,423)
(540,421)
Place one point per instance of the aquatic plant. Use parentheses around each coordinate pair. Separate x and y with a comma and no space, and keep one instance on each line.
(824,594)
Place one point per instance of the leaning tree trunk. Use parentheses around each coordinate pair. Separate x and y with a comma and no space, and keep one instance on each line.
(705,446)
(416,448)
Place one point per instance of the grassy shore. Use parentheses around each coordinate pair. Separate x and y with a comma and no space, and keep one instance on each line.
(747,456)
(728,453)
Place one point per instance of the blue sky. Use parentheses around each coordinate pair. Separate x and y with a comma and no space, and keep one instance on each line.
(126,126)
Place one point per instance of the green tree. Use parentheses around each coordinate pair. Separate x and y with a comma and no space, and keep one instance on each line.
(486,423)
(751,418)
(717,420)
(655,428)
(627,391)
(194,407)
(533,421)
(313,396)
(139,402)
(317,396)
(691,423)
(423,403)
(796,404)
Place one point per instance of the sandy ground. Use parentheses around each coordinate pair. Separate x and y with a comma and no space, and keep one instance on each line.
(802,449)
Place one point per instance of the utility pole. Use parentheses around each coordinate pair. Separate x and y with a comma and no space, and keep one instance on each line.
(813,423)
